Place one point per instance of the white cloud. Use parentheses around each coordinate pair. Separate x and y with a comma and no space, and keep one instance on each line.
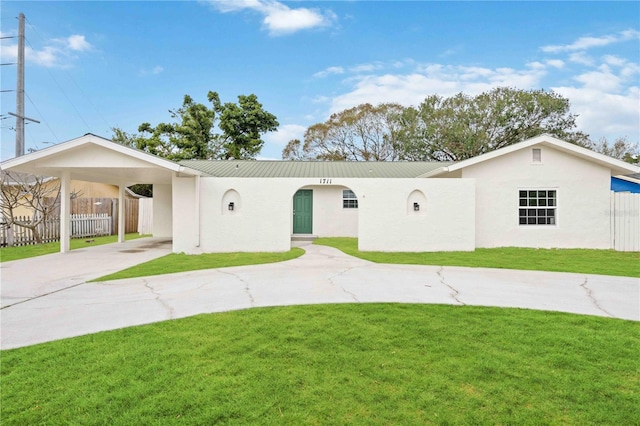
(362,68)
(78,43)
(555,63)
(56,53)
(153,71)
(428,79)
(279,19)
(329,71)
(283,135)
(582,59)
(584,43)
(602,114)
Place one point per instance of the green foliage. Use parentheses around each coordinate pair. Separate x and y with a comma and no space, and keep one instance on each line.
(391,364)
(463,126)
(439,129)
(192,134)
(180,262)
(601,262)
(362,133)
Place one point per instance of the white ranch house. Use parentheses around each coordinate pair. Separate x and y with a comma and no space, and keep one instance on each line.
(542,192)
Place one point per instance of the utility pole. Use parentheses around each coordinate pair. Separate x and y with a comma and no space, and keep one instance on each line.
(19,115)
(20,90)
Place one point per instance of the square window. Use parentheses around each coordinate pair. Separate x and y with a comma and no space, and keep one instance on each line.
(541,207)
(349,199)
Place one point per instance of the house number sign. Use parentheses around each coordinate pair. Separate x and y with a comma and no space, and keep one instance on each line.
(325,181)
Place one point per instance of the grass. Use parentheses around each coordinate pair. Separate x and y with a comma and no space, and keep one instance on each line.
(602,262)
(23,252)
(180,262)
(335,364)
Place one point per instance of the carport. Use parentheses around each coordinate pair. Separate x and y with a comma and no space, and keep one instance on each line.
(95,159)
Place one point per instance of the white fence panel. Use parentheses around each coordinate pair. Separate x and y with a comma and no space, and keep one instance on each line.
(625,221)
(90,225)
(145,216)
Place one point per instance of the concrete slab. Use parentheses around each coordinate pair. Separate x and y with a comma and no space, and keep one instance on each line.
(59,305)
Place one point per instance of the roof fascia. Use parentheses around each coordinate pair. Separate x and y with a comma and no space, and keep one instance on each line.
(105,143)
(628,179)
(618,166)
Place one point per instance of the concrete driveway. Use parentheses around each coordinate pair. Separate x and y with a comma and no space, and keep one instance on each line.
(40,305)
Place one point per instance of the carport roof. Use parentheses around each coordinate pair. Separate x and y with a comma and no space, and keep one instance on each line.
(95,159)
(318,169)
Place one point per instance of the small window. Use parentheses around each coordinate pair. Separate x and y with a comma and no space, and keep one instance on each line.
(536,155)
(349,199)
(537,207)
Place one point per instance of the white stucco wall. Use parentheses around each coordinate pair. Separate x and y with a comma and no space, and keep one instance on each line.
(583,212)
(184,221)
(444,223)
(162,211)
(262,218)
(330,219)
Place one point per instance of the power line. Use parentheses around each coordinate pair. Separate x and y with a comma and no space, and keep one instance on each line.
(63,92)
(42,116)
(73,81)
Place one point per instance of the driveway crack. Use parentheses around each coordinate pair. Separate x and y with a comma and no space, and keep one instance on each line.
(247,289)
(454,292)
(353,295)
(594,301)
(42,295)
(159,299)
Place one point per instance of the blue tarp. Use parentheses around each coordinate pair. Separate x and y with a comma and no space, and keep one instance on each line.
(621,185)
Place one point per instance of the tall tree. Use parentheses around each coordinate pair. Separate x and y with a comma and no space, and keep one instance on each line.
(362,133)
(439,129)
(621,148)
(192,134)
(462,126)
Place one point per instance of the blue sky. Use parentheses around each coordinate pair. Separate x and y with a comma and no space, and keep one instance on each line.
(96,65)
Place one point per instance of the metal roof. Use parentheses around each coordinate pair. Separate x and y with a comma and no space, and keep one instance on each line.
(318,169)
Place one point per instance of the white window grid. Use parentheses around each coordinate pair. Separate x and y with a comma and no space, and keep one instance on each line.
(537,207)
(349,199)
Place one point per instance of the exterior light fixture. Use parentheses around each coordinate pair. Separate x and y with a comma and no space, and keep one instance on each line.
(416,207)
(231,206)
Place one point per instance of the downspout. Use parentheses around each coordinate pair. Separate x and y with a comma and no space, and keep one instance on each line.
(197,210)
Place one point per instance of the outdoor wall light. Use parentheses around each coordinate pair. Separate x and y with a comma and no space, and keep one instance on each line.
(416,207)
(231,206)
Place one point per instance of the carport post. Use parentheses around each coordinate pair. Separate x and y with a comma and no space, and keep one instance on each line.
(65,211)
(121,213)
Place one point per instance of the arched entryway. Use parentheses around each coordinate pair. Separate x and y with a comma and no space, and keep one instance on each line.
(324,211)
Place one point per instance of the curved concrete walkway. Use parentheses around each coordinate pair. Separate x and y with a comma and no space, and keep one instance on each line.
(55,310)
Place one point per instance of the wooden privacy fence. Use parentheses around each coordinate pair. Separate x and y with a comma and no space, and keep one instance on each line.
(108,206)
(625,221)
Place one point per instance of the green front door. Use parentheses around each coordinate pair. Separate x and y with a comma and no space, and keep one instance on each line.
(302,211)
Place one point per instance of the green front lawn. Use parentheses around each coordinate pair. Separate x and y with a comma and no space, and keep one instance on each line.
(602,262)
(24,252)
(180,262)
(390,364)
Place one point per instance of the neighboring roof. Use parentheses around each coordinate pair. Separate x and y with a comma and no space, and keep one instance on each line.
(98,160)
(633,178)
(318,169)
(617,167)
